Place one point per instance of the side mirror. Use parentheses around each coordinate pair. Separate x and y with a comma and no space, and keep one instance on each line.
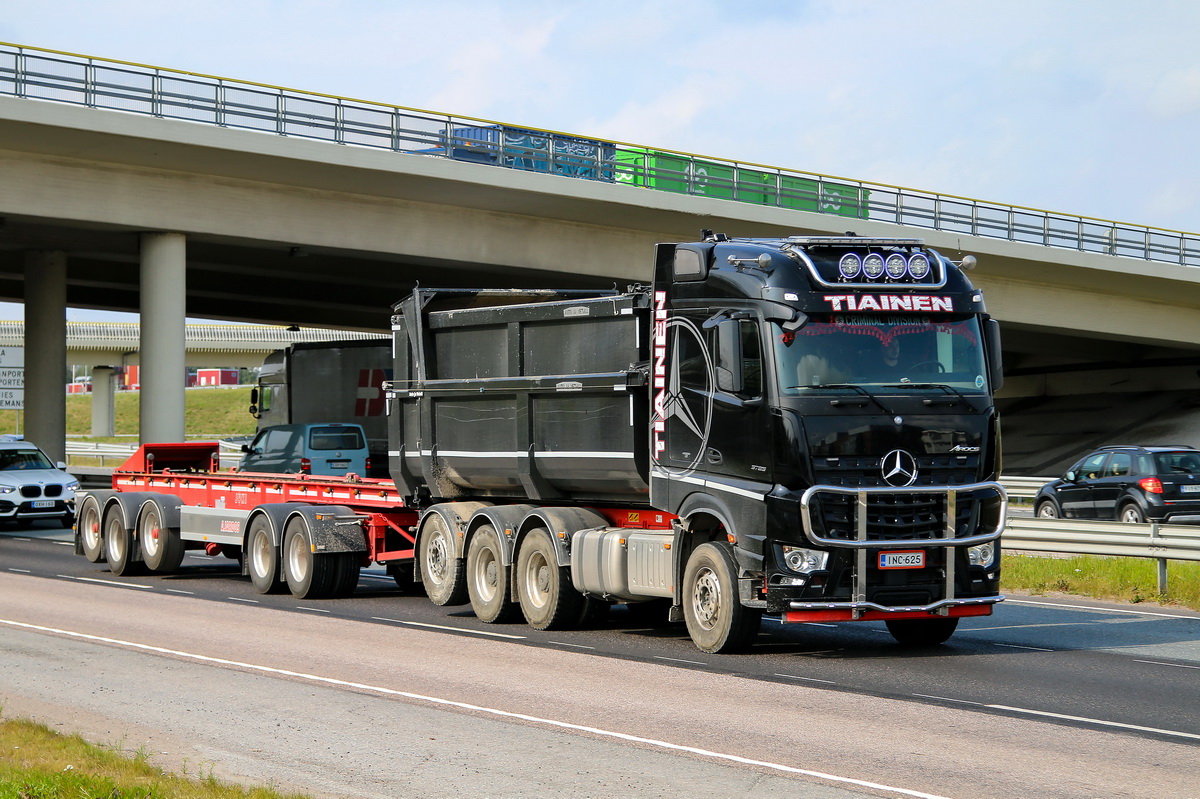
(729,357)
(254,403)
(245,447)
(1070,476)
(995,362)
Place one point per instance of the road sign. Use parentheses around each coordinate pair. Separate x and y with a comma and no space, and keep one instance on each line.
(12,399)
(12,356)
(12,378)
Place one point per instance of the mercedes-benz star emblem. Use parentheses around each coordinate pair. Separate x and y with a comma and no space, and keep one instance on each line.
(899,468)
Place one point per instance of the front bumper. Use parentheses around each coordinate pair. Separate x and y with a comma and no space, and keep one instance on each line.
(10,510)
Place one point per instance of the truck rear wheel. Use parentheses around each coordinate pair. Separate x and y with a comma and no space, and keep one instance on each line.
(487,578)
(262,558)
(716,619)
(89,530)
(548,598)
(443,574)
(162,548)
(308,575)
(118,544)
(345,567)
(922,632)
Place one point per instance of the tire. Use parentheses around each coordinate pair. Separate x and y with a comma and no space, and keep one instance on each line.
(716,619)
(162,548)
(119,544)
(1130,513)
(262,558)
(1046,510)
(90,537)
(345,571)
(922,632)
(403,573)
(548,599)
(443,574)
(308,576)
(487,578)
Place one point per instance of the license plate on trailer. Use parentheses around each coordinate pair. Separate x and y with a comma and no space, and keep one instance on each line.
(1190,489)
(42,503)
(914,559)
(338,464)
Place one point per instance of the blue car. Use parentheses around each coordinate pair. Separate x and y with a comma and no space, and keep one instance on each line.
(328,449)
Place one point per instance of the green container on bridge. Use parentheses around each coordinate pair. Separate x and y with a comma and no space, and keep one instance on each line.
(675,173)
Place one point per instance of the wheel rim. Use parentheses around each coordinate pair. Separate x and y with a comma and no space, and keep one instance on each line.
(116,541)
(149,534)
(298,559)
(1131,515)
(537,580)
(1047,512)
(706,598)
(437,555)
(91,529)
(260,553)
(486,574)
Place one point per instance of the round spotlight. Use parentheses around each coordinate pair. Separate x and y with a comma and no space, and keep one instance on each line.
(896,266)
(918,266)
(850,266)
(873,265)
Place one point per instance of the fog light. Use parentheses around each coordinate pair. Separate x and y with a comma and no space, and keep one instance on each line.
(982,555)
(803,560)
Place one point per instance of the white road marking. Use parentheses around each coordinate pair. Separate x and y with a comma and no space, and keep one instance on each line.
(20,571)
(106,582)
(563,725)
(1011,601)
(449,628)
(1160,663)
(680,660)
(1086,720)
(1033,648)
(806,679)
(239,599)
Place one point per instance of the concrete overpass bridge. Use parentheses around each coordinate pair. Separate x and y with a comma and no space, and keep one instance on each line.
(136,188)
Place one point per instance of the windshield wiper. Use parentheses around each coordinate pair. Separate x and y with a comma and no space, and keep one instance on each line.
(853,387)
(942,386)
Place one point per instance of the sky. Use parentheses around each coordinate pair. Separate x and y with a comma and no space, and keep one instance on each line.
(1087,107)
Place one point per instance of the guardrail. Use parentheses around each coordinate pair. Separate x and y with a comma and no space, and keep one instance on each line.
(1162,542)
(41,74)
(1023,487)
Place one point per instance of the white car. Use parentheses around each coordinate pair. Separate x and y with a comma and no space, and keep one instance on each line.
(31,487)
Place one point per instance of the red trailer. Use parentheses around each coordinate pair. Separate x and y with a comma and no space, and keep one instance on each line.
(311,534)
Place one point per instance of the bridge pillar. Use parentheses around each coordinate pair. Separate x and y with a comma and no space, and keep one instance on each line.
(46,335)
(103,415)
(163,337)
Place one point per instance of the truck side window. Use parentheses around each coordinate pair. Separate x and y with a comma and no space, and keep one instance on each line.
(752,385)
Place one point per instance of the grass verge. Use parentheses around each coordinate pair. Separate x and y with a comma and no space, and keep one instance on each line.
(1119,579)
(38,763)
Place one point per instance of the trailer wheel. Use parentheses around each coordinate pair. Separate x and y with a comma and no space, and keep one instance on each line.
(162,549)
(345,570)
(262,558)
(922,632)
(548,598)
(443,574)
(716,619)
(308,575)
(118,544)
(487,579)
(403,574)
(89,530)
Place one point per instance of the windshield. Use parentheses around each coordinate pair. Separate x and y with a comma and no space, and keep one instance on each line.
(23,459)
(875,350)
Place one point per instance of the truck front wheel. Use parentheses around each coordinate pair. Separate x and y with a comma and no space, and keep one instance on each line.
(922,632)
(442,573)
(487,578)
(548,599)
(716,619)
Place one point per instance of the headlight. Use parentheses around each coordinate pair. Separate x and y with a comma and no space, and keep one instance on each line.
(7,489)
(982,555)
(803,560)
(72,486)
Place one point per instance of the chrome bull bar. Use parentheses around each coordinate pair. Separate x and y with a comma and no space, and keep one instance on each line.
(861,543)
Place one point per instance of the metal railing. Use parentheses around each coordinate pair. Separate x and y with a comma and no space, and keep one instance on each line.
(1162,542)
(36,73)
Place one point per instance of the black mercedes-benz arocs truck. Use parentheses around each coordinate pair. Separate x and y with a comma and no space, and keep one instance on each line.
(801,427)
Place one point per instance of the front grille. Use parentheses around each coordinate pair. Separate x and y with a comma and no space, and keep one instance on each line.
(866,472)
(834,515)
(32,492)
(54,491)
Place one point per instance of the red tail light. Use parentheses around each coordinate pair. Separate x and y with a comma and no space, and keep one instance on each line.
(1151,484)
(306,466)
(368,466)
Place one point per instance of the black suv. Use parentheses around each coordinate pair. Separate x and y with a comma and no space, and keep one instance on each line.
(1129,484)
